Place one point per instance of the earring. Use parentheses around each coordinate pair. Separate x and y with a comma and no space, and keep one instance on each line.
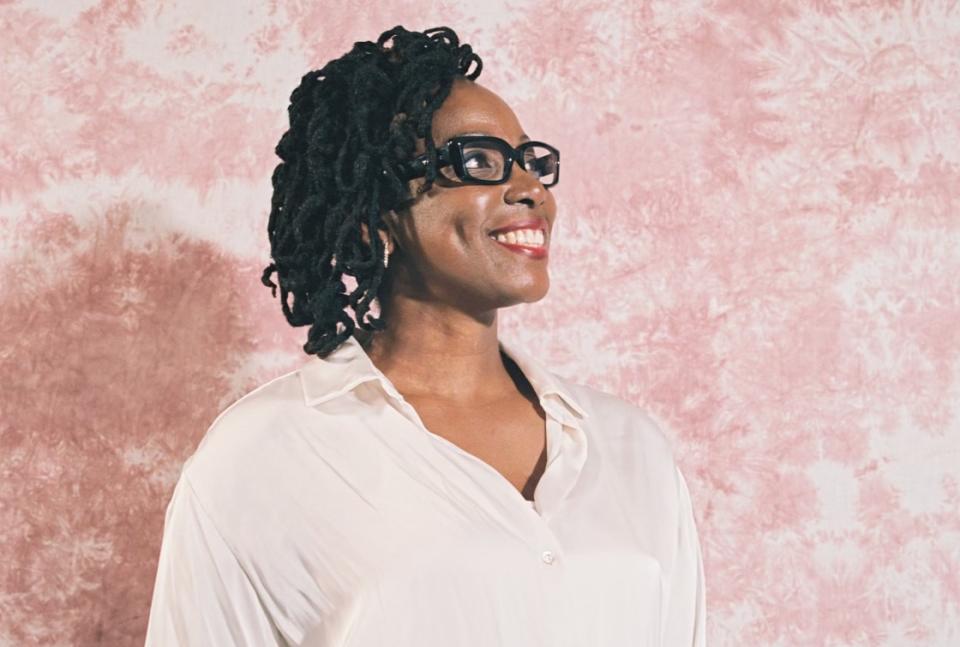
(386,256)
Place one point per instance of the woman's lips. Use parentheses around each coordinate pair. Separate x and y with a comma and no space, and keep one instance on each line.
(533,252)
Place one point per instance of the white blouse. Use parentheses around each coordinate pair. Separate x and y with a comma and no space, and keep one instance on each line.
(319,511)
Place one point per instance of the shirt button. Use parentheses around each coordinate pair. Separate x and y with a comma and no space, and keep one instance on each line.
(547,557)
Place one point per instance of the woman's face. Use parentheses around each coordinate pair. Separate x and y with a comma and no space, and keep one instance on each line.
(446,250)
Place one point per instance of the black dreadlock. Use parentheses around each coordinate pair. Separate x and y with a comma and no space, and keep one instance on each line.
(353,125)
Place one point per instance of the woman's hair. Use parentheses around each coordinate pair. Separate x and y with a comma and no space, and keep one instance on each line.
(353,125)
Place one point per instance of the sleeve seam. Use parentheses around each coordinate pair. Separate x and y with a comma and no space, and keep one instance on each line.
(233,553)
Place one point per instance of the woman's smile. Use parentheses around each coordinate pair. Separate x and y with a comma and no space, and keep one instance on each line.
(527,237)
(527,242)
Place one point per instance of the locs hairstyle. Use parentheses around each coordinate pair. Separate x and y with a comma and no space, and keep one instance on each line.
(353,124)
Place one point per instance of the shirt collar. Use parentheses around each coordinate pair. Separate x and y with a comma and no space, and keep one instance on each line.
(348,366)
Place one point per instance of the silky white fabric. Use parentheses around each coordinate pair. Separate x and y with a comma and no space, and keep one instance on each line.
(319,511)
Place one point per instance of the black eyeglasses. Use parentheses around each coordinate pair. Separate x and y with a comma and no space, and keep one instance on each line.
(482,159)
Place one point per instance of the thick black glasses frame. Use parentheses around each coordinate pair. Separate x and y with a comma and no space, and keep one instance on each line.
(451,154)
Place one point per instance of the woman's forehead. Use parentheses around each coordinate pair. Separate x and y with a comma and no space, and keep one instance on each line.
(472,108)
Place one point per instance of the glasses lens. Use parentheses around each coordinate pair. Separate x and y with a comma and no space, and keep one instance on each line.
(483,161)
(541,162)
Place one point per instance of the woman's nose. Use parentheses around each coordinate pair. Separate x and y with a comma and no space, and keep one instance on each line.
(524,187)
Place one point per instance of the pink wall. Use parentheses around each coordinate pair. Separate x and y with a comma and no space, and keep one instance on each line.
(759,240)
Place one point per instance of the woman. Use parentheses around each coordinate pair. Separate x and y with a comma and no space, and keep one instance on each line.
(420,481)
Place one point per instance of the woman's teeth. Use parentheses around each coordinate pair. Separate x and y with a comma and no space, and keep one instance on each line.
(528,237)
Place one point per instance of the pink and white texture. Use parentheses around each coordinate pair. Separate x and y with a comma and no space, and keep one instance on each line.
(759,241)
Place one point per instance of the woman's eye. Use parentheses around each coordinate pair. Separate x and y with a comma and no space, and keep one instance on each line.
(476,160)
(535,166)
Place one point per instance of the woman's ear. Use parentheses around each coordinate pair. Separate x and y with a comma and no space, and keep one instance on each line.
(384,236)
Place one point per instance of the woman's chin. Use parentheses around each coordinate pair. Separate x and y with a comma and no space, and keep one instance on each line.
(531,293)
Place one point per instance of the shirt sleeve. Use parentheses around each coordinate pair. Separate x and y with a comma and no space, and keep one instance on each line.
(685,620)
(202,596)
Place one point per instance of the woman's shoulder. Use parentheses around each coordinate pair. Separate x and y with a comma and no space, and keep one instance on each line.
(247,433)
(632,446)
(619,422)
(255,411)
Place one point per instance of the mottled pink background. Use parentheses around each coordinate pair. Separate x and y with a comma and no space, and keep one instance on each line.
(759,240)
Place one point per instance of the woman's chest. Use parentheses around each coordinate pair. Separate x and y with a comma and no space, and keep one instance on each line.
(382,511)
(417,544)
(509,437)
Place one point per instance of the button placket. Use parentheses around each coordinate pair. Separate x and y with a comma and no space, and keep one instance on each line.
(543,534)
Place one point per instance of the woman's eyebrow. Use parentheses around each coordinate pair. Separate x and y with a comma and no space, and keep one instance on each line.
(470,133)
(523,137)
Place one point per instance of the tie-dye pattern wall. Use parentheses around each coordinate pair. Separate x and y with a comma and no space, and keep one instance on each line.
(759,241)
